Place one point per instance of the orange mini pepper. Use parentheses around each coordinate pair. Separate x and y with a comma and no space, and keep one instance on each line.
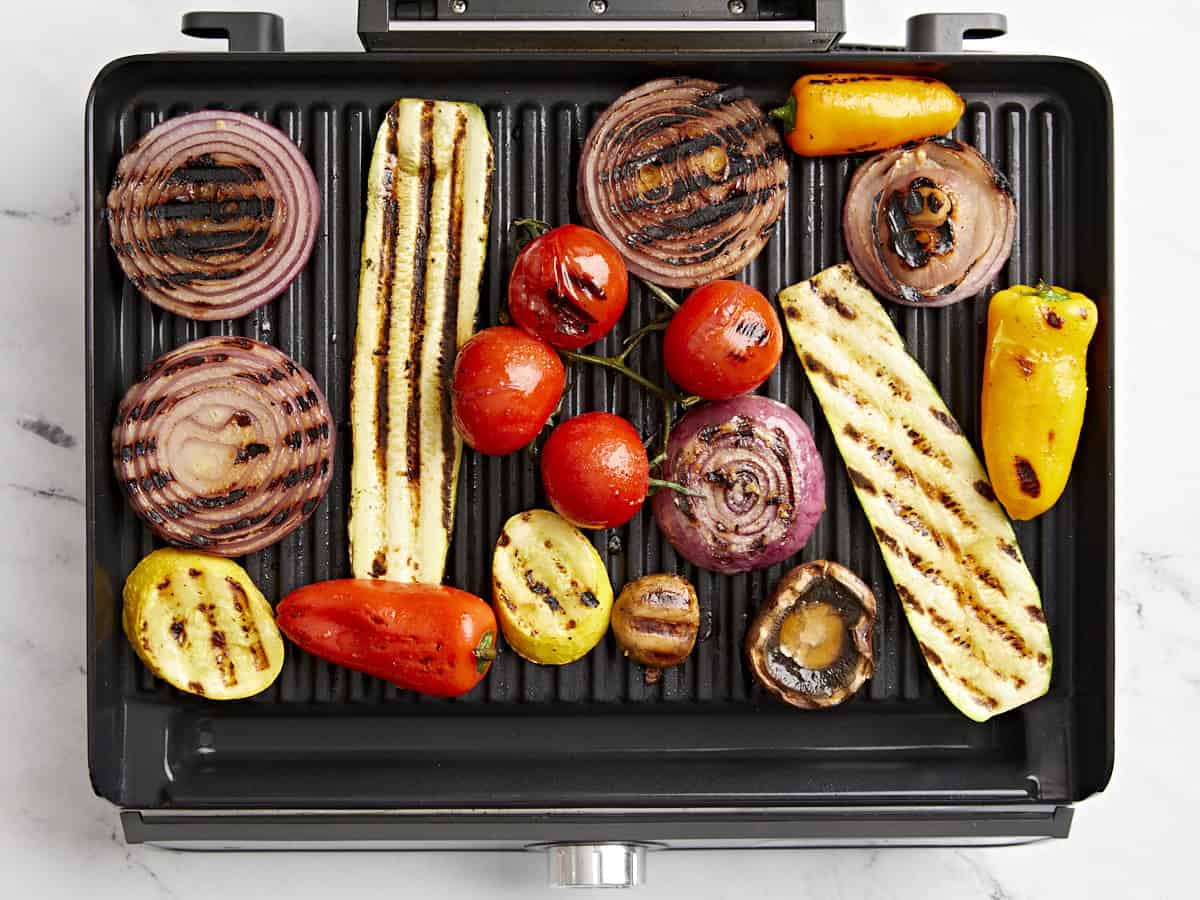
(845,112)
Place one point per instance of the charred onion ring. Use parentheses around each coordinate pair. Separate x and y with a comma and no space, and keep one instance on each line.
(686,178)
(224,444)
(754,483)
(929,224)
(212,214)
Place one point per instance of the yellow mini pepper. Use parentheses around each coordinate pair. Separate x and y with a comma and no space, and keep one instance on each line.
(1034,391)
(847,112)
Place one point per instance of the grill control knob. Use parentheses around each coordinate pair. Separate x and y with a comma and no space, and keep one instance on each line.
(596,865)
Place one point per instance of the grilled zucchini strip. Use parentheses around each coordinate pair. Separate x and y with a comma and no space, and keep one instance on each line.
(951,550)
(428,205)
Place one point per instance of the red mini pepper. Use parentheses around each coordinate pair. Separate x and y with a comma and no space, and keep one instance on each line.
(427,638)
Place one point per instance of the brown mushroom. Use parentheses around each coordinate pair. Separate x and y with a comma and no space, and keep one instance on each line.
(655,620)
(810,643)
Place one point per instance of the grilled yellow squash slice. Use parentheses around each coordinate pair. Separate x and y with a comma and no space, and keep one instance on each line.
(552,593)
(199,623)
(951,550)
(424,241)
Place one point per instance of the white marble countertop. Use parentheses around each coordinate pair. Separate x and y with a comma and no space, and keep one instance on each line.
(58,840)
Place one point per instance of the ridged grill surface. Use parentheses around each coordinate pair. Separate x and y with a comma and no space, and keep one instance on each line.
(538,129)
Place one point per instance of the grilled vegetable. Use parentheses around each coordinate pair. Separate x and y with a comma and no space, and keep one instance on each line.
(551,589)
(432,639)
(724,340)
(199,623)
(844,112)
(656,619)
(1034,391)
(428,204)
(685,177)
(753,485)
(568,286)
(595,470)
(506,384)
(968,596)
(929,224)
(224,444)
(212,214)
(810,643)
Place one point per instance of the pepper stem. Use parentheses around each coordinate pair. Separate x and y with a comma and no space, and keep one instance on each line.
(485,650)
(1050,293)
(786,113)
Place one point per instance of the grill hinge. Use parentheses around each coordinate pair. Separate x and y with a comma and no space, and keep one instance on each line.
(601,25)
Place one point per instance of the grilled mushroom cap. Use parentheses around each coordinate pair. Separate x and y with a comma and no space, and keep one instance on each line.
(810,643)
(656,619)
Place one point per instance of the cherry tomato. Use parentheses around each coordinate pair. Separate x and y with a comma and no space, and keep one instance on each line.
(505,386)
(568,287)
(724,341)
(595,470)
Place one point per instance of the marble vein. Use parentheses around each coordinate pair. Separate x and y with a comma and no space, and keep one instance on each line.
(48,431)
(57,494)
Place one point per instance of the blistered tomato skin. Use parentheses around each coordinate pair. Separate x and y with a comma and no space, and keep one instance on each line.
(568,287)
(724,341)
(595,470)
(505,386)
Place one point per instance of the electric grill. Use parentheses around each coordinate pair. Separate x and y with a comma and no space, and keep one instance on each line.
(588,760)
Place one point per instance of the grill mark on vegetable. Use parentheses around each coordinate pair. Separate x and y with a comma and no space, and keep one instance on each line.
(204,169)
(925,447)
(387,275)
(198,244)
(647,626)
(249,627)
(1035,613)
(684,149)
(196,212)
(1027,479)
(967,600)
(249,452)
(984,490)
(739,165)
(420,263)
(860,481)
(588,599)
(228,676)
(1053,319)
(179,632)
(946,419)
(815,367)
(834,302)
(379,564)
(735,202)
(449,339)
(572,318)
(217,502)
(243,524)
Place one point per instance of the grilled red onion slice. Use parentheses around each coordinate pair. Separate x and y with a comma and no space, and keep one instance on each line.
(224,444)
(759,480)
(686,178)
(212,214)
(929,224)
